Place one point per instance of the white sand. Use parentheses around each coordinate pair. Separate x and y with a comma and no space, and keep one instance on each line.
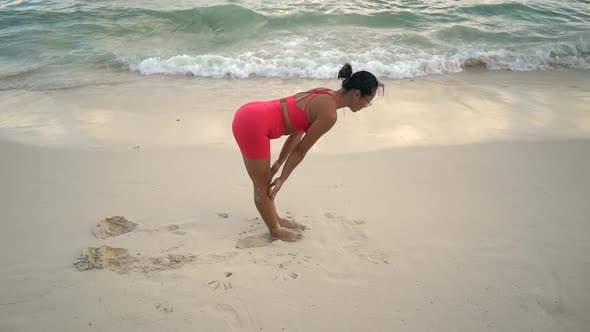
(480,222)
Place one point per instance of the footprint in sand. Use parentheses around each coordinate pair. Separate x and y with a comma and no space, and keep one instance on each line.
(218,258)
(287,276)
(291,258)
(333,186)
(357,243)
(230,315)
(220,285)
(290,216)
(303,260)
(351,225)
(164,263)
(330,215)
(119,225)
(175,229)
(172,228)
(113,226)
(344,220)
(250,231)
(367,253)
(254,241)
(164,308)
(356,235)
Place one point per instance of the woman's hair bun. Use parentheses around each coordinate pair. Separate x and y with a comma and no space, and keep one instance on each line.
(345,72)
(361,80)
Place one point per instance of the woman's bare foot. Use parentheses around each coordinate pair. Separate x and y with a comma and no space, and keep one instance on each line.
(290,224)
(285,235)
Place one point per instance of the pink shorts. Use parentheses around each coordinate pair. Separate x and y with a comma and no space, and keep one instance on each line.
(255,124)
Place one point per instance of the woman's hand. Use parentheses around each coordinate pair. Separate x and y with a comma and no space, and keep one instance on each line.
(275,168)
(275,186)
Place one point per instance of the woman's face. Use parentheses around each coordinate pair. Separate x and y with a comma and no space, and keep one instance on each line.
(360,102)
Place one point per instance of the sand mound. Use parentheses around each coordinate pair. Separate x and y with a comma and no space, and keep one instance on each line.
(112,227)
(103,257)
(119,260)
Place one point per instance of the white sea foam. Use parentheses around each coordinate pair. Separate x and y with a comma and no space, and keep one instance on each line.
(389,63)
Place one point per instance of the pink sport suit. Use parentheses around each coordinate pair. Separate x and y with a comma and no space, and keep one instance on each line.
(256,123)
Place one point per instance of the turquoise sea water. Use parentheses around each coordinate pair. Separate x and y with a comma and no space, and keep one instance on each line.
(63,43)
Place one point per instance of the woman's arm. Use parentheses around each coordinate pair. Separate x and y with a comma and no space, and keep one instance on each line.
(319,127)
(290,143)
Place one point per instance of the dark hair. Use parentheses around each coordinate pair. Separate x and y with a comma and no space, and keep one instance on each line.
(362,80)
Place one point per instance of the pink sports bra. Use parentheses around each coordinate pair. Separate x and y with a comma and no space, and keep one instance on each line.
(298,116)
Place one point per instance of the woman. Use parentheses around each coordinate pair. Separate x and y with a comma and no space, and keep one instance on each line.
(305,117)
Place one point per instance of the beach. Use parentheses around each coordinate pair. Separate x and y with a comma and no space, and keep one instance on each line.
(454,203)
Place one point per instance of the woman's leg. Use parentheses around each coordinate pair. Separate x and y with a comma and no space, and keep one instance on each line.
(259,172)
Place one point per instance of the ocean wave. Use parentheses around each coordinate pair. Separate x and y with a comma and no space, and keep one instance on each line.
(115,20)
(19,72)
(219,18)
(387,64)
(59,41)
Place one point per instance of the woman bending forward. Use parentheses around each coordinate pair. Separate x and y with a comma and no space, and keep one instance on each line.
(305,117)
